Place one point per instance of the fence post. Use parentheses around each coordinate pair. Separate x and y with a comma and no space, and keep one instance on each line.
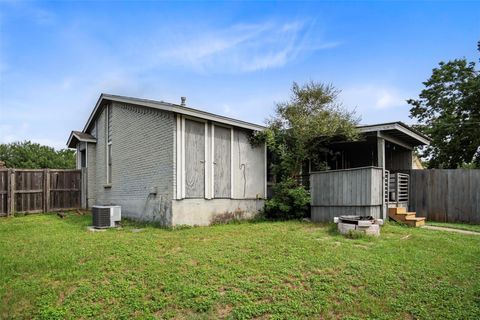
(44,187)
(9,194)
(12,191)
(46,190)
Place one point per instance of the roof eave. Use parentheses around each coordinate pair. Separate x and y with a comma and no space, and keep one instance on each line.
(172,108)
(71,144)
(400,126)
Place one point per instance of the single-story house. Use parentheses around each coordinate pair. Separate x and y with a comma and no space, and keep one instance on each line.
(169,163)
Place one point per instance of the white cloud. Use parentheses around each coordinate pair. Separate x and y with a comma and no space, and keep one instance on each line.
(11,133)
(379,97)
(29,9)
(23,131)
(377,102)
(44,104)
(242,48)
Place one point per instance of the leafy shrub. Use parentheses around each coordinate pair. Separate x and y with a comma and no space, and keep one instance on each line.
(290,201)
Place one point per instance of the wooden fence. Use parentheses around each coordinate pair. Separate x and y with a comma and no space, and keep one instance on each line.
(446,195)
(32,191)
(357,191)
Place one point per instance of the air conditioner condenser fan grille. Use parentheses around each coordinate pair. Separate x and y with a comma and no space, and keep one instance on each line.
(101,217)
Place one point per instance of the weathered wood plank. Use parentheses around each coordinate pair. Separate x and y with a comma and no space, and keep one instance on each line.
(222,162)
(194,159)
(47,190)
(29,191)
(4,192)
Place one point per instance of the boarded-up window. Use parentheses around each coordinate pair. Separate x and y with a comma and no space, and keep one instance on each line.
(222,162)
(194,159)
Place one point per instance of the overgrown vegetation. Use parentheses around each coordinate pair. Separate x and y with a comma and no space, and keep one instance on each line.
(31,155)
(448,110)
(290,201)
(54,268)
(309,121)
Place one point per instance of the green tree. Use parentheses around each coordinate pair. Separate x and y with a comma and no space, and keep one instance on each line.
(30,155)
(448,110)
(308,121)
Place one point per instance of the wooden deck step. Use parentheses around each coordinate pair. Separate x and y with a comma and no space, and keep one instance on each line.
(405,216)
(401,215)
(416,222)
(396,210)
(415,218)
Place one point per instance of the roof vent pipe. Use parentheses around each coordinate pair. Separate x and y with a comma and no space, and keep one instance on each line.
(183,103)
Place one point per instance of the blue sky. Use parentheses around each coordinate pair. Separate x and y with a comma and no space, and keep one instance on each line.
(235,59)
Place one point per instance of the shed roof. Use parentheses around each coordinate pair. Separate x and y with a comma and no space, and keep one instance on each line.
(397,131)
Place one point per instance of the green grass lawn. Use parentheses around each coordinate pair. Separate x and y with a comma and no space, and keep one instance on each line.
(54,268)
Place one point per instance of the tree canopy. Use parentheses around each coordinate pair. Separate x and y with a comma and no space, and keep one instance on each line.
(309,120)
(448,110)
(31,155)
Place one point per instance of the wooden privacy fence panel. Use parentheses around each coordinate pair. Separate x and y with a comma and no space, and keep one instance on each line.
(28,191)
(32,190)
(65,189)
(446,195)
(357,191)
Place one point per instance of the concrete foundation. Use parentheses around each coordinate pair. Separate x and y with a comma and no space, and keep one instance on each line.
(203,212)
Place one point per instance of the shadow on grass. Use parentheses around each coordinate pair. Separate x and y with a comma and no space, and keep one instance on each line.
(83,220)
(71,218)
(332,229)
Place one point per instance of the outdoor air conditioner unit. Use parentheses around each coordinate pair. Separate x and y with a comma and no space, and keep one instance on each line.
(106,216)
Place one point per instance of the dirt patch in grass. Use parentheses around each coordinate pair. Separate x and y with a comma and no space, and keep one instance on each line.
(223,311)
